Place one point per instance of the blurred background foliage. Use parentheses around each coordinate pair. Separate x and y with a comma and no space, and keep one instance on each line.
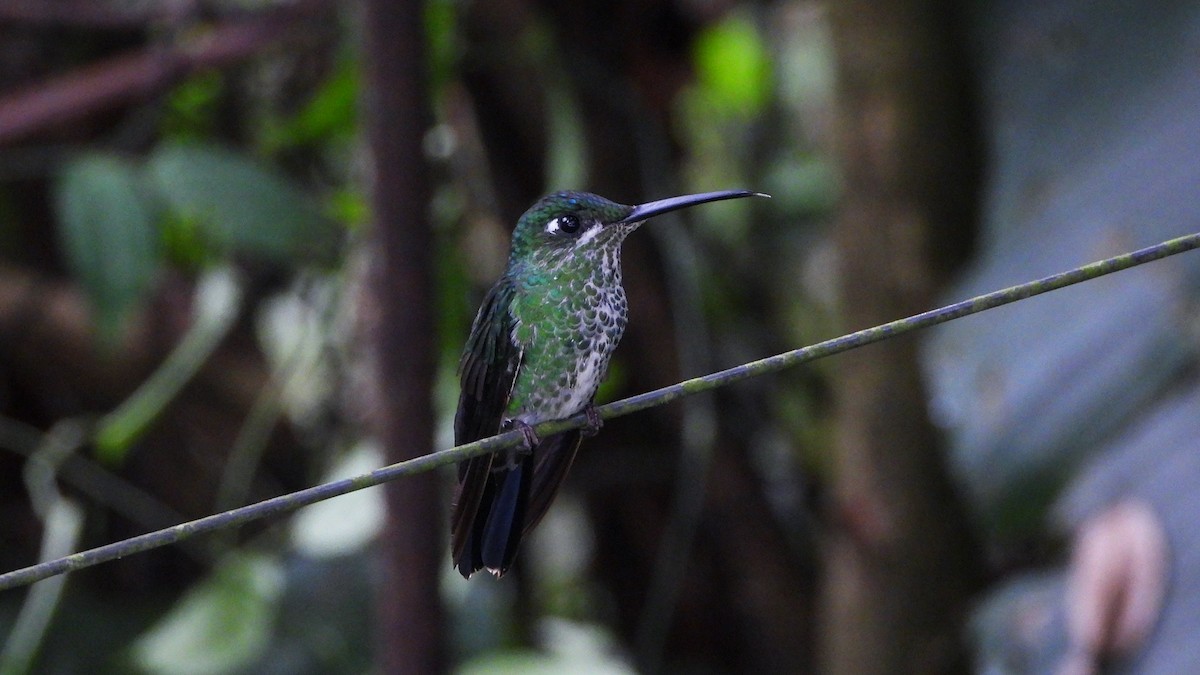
(186,211)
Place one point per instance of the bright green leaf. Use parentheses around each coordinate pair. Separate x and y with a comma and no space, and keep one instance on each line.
(107,233)
(240,206)
(332,112)
(734,67)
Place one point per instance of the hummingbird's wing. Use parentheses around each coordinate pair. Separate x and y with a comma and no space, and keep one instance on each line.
(488,369)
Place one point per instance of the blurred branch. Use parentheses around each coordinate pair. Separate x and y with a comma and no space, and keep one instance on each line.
(292,501)
(62,522)
(121,79)
(90,479)
(92,14)
(47,332)
(218,298)
(253,438)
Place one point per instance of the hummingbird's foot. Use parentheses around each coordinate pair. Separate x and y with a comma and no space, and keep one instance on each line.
(529,437)
(593,421)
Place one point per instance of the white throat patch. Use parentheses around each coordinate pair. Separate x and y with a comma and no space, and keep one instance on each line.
(588,235)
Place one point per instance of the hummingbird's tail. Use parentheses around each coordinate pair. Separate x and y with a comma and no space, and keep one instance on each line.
(502,520)
(495,507)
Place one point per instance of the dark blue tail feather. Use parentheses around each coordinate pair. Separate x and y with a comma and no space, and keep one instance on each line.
(496,507)
(506,518)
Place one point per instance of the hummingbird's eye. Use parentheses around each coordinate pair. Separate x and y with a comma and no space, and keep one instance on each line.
(567,224)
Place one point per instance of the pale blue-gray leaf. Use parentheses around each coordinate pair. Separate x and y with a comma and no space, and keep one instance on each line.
(107,233)
(242,206)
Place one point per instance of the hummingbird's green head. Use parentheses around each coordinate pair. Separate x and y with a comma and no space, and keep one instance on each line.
(564,223)
(576,225)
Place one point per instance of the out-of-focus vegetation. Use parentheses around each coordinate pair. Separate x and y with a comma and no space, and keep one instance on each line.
(185,224)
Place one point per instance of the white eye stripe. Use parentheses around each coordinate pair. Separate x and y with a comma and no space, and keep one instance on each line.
(553,226)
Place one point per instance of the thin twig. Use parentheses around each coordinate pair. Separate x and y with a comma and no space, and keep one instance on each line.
(773,364)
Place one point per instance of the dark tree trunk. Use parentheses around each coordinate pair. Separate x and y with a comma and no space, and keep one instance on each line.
(509,99)
(399,322)
(900,563)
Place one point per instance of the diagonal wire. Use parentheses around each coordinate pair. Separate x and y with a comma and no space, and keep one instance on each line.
(292,501)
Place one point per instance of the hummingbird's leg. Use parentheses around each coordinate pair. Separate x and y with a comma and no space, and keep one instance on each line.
(593,421)
(529,437)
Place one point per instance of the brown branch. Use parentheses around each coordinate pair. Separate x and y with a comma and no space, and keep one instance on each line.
(90,14)
(137,75)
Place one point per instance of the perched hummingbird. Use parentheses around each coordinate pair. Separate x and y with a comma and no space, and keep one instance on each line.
(539,348)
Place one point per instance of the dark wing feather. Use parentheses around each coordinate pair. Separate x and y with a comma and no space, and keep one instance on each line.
(488,368)
(554,458)
(473,484)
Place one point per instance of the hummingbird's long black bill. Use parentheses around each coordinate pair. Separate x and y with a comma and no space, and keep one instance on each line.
(650,209)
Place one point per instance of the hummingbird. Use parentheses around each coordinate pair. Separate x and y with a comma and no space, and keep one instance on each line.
(539,348)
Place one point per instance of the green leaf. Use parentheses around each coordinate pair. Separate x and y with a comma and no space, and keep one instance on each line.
(240,206)
(183,244)
(442,28)
(192,107)
(331,113)
(222,624)
(350,206)
(734,67)
(107,233)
